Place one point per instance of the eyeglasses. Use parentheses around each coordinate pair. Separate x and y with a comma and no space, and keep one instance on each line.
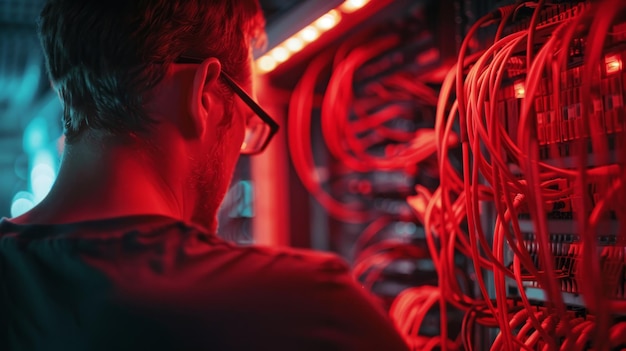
(259,131)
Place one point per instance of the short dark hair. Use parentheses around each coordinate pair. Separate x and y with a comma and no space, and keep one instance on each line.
(103,57)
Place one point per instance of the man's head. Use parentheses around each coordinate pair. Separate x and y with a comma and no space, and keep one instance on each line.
(116,67)
(103,57)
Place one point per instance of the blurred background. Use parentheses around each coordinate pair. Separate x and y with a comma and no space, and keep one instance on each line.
(29,111)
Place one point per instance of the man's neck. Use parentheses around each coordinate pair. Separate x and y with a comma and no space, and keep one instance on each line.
(98,182)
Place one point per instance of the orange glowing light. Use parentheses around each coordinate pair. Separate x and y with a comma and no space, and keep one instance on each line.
(350,6)
(520,91)
(280,54)
(613,64)
(294,44)
(328,21)
(309,34)
(266,64)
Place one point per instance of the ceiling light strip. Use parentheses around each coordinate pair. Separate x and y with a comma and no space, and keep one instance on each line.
(283,51)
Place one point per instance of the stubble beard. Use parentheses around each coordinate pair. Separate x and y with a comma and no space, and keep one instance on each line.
(210,181)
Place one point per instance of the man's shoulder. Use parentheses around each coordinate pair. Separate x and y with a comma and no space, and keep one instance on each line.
(288,267)
(192,283)
(294,258)
(198,251)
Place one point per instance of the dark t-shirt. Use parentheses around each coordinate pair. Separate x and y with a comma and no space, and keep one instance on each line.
(156,283)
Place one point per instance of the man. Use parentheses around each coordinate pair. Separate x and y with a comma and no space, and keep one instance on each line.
(122,254)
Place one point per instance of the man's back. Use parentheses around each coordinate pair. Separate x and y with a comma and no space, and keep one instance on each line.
(151,282)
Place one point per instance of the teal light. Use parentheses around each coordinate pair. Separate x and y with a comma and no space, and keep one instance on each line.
(405,228)
(29,82)
(36,135)
(247,196)
(41,181)
(240,199)
(22,202)
(42,175)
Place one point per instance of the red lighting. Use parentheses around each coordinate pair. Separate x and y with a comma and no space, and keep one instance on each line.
(520,90)
(612,64)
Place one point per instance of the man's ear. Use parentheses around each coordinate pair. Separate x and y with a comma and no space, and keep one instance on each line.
(201,100)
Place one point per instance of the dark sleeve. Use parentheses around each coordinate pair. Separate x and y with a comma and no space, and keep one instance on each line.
(280,302)
(307,302)
(346,315)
